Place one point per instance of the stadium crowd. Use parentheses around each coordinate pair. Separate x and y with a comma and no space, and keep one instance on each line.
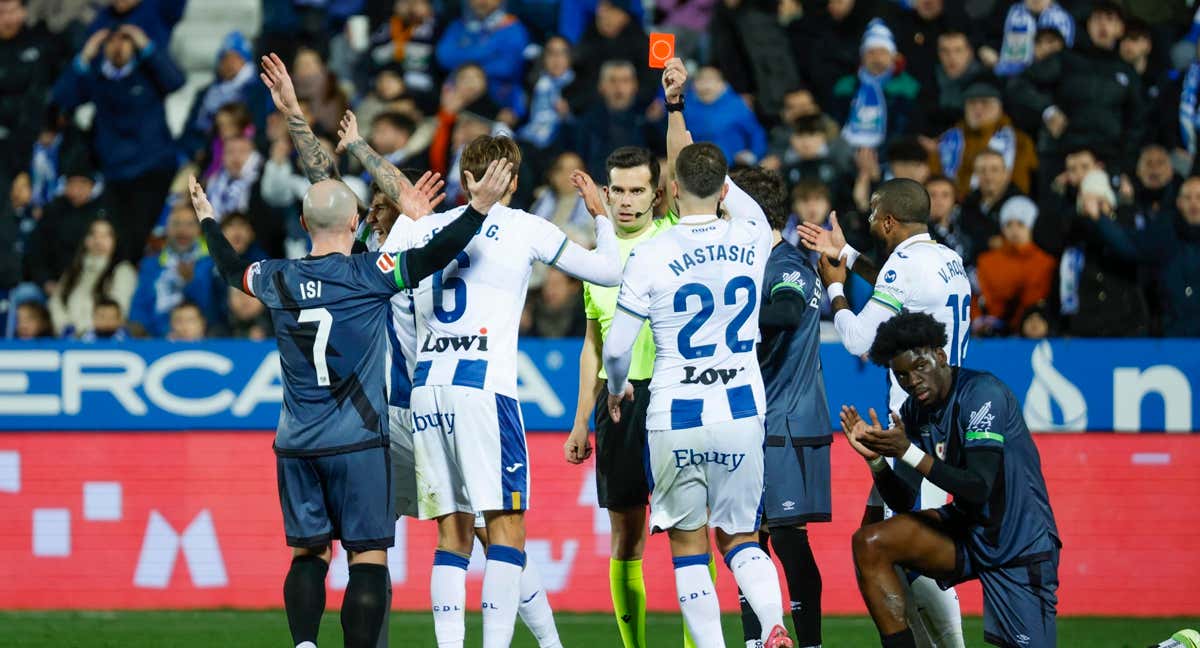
(1057,140)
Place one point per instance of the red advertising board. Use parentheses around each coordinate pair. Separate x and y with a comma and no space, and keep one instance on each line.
(191,520)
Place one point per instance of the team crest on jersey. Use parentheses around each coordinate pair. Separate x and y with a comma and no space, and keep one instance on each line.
(386,263)
(981,419)
(940,450)
(794,277)
(889,276)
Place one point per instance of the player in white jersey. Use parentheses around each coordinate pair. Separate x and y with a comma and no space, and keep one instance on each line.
(920,275)
(698,285)
(469,437)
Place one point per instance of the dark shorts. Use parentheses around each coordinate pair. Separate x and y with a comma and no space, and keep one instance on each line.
(796,484)
(345,497)
(1020,599)
(621,451)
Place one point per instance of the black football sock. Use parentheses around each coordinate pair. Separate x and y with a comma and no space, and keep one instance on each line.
(803,581)
(364,605)
(382,642)
(304,597)
(902,639)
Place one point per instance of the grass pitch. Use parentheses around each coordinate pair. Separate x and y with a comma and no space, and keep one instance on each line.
(204,629)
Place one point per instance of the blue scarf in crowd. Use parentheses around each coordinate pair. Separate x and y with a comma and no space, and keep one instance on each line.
(1020,31)
(544,119)
(867,124)
(952,143)
(1188,118)
(44,177)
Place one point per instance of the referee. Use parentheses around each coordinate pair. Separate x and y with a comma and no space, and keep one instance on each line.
(621,485)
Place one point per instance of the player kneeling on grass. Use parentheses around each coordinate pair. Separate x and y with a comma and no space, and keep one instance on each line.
(964,431)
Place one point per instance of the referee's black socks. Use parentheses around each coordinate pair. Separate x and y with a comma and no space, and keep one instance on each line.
(803,581)
(304,597)
(364,605)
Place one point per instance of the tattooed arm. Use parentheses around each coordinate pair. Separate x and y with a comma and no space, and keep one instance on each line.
(390,180)
(316,163)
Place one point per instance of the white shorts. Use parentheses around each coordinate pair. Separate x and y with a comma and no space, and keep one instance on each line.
(404,467)
(711,475)
(470,451)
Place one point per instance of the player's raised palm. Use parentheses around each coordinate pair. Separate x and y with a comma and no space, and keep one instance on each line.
(421,198)
(828,242)
(279,82)
(855,427)
(673,79)
(204,209)
(589,192)
(347,131)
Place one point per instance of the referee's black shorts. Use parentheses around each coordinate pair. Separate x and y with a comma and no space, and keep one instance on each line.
(621,451)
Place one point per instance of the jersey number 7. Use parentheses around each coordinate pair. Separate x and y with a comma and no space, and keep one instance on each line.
(741,282)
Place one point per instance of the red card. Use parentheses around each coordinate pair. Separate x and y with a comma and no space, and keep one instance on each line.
(662,49)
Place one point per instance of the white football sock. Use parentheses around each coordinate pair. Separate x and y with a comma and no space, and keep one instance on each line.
(448,594)
(501,594)
(698,600)
(940,612)
(535,608)
(756,576)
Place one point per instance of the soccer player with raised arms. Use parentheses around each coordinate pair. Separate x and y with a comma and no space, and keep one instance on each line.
(470,439)
(698,285)
(331,447)
(964,431)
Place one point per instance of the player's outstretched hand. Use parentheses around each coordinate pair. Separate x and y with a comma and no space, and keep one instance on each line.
(204,209)
(828,242)
(614,402)
(852,427)
(275,76)
(889,442)
(347,131)
(420,199)
(830,274)
(589,192)
(492,187)
(673,79)
(578,447)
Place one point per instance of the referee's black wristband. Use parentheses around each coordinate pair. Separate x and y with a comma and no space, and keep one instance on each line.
(675,107)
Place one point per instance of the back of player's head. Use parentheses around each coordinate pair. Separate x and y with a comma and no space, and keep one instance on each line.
(767,189)
(700,170)
(632,157)
(907,331)
(329,205)
(484,150)
(906,200)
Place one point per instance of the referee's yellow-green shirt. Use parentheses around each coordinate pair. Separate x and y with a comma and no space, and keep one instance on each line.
(600,304)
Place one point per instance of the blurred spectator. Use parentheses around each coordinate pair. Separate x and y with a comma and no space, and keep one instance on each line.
(236,82)
(232,188)
(232,120)
(981,208)
(559,311)
(753,53)
(551,98)
(945,215)
(907,159)
(20,213)
(237,230)
(183,271)
(1058,207)
(919,30)
(63,225)
(878,103)
(826,43)
(390,134)
(108,322)
(1021,24)
(715,113)
(1136,48)
(1015,276)
(561,204)
(405,45)
(809,155)
(1176,244)
(66,18)
(247,317)
(128,86)
(33,321)
(1099,287)
(689,20)
(12,219)
(810,200)
(470,87)
(614,36)
(1154,184)
(574,16)
(157,18)
(1038,323)
(95,273)
(1026,93)
(58,142)
(29,61)
(187,323)
(318,87)
(984,126)
(1098,97)
(615,121)
(493,39)
(943,97)
(802,103)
